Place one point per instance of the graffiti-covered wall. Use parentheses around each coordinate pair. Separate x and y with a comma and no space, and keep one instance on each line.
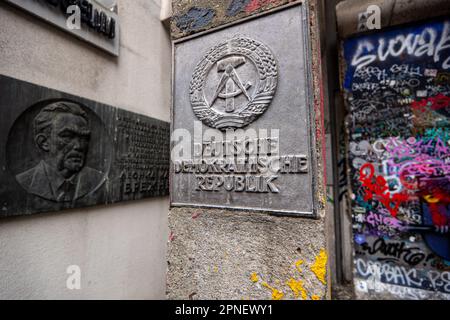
(194,16)
(397,87)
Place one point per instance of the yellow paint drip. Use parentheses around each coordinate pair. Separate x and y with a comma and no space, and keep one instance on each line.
(276,294)
(315,297)
(297,288)
(254,277)
(319,268)
(298,264)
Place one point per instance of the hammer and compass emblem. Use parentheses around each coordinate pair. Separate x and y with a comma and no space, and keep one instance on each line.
(227,58)
(230,80)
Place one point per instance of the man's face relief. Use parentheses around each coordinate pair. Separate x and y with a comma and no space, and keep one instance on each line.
(68,142)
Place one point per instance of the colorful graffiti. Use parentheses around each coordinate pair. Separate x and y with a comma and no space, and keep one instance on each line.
(397,87)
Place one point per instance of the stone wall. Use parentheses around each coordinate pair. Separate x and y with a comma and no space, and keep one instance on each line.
(226,254)
(121,248)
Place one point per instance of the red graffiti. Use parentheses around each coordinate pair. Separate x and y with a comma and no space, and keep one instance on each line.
(434,103)
(376,188)
(256,4)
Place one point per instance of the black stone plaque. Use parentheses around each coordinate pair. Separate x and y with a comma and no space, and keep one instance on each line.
(59,151)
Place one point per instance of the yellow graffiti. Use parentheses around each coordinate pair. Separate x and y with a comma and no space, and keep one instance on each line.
(276,294)
(297,288)
(298,264)
(319,268)
(254,277)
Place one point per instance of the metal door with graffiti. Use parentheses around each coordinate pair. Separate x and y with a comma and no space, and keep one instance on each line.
(397,93)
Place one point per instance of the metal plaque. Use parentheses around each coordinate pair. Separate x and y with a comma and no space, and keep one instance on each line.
(97,24)
(60,151)
(242,132)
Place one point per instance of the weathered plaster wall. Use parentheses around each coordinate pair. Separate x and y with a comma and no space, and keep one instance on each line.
(120,249)
(225,254)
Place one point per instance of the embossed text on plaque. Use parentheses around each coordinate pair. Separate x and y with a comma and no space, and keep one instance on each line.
(242,133)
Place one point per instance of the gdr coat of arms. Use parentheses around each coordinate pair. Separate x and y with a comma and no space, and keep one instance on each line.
(234,83)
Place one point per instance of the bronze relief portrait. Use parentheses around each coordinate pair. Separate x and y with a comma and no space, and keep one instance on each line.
(59,169)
